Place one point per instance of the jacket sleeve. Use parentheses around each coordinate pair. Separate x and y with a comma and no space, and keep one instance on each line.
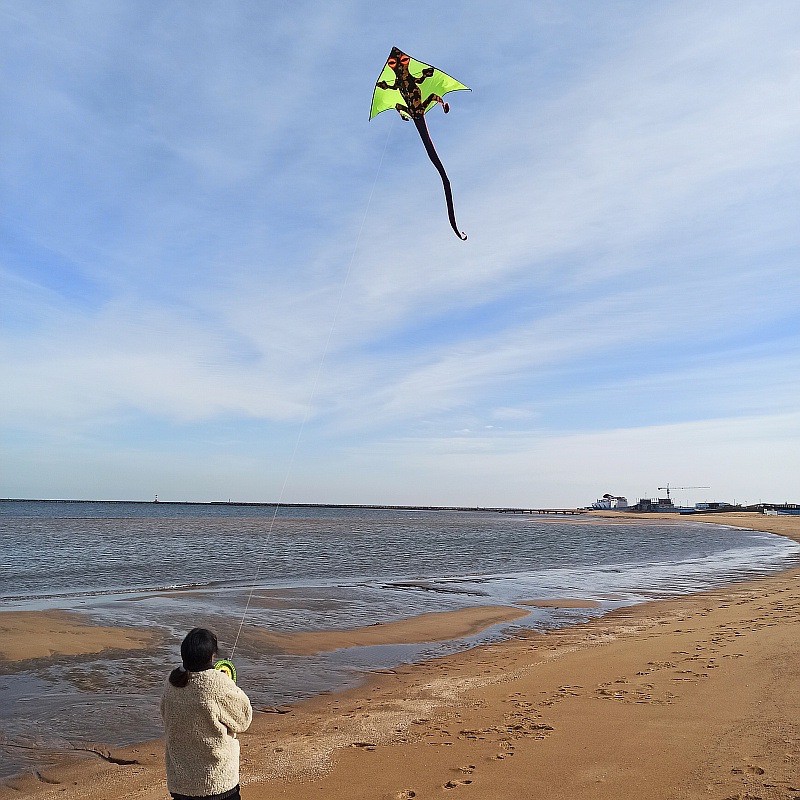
(235,711)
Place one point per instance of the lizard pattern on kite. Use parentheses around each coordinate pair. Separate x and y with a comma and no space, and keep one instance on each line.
(412,88)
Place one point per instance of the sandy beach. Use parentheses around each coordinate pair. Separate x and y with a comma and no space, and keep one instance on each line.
(694,697)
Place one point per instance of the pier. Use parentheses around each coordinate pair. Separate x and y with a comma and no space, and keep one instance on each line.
(571,511)
(273,504)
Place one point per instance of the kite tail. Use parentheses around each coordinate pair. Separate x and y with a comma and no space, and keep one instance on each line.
(433,156)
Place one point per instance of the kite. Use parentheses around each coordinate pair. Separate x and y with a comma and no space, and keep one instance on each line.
(413,88)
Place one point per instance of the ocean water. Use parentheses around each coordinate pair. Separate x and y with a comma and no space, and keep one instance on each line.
(170,567)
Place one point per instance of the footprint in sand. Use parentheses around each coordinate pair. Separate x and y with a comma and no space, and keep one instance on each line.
(750,770)
(509,751)
(44,778)
(456,784)
(406,794)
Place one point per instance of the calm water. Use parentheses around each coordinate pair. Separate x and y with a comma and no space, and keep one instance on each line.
(171,567)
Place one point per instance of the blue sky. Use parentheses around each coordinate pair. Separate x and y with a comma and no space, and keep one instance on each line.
(195,209)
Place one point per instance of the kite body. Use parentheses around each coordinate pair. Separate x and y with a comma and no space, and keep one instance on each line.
(413,88)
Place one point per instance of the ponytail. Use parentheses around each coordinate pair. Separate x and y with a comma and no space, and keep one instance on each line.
(179,677)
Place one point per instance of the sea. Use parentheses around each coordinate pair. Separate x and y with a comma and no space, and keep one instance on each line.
(168,567)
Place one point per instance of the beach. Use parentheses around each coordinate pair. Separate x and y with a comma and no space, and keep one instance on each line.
(692,697)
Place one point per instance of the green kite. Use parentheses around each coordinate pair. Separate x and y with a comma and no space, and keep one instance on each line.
(399,88)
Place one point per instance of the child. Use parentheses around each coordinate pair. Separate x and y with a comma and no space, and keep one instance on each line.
(203,710)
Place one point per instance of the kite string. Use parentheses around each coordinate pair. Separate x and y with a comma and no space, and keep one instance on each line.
(313,391)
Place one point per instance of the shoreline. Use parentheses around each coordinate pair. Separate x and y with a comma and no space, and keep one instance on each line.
(782,525)
(367,728)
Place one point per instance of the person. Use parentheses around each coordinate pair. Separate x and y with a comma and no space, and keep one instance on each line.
(203,710)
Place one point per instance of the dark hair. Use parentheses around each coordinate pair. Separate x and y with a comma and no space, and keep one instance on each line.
(197,651)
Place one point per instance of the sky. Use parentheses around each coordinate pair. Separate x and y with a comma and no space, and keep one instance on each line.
(220,281)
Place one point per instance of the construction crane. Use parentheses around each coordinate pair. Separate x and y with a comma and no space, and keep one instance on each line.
(668,487)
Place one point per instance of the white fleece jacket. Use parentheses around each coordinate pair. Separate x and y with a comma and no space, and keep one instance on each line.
(201,721)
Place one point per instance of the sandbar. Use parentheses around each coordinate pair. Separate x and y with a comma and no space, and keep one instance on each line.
(43,634)
(436,626)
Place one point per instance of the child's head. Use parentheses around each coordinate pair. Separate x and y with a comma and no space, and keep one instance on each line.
(198,649)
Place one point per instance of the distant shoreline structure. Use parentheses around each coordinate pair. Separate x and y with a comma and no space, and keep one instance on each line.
(642,507)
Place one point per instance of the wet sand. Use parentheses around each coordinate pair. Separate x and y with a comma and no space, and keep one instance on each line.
(694,697)
(42,634)
(561,603)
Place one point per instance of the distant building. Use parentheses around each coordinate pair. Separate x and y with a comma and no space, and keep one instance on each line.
(714,506)
(663,504)
(781,509)
(648,504)
(610,502)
